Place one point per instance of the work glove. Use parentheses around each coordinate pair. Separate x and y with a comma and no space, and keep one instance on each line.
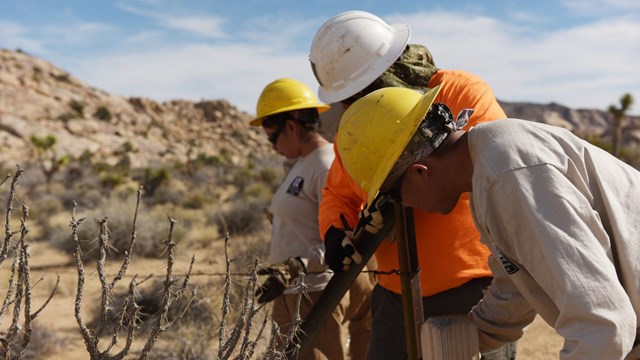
(280,276)
(340,250)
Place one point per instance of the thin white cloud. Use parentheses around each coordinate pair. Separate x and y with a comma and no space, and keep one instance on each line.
(600,7)
(208,26)
(278,30)
(14,35)
(527,17)
(587,66)
(235,73)
(78,33)
(144,37)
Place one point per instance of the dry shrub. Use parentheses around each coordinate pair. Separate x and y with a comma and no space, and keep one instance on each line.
(44,342)
(186,343)
(200,312)
(151,230)
(241,218)
(201,236)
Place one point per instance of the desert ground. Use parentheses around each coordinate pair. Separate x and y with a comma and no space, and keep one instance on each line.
(539,341)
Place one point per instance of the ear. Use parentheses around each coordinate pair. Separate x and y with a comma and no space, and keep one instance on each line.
(291,125)
(420,169)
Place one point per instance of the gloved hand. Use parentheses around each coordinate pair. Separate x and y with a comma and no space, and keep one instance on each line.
(280,276)
(371,217)
(340,250)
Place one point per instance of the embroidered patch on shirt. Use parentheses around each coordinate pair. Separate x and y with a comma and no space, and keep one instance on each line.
(509,266)
(296,186)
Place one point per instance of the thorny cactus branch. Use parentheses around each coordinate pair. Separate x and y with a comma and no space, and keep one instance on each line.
(247,347)
(9,299)
(162,322)
(129,254)
(222,331)
(238,327)
(7,222)
(251,346)
(129,317)
(103,243)
(19,291)
(296,319)
(46,302)
(24,254)
(90,340)
(243,326)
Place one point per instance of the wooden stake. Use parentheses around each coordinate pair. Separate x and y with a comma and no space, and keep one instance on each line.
(450,337)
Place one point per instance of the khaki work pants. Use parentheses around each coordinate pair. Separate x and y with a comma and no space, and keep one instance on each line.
(346,333)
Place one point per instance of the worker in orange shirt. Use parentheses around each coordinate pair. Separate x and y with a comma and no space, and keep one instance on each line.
(353,54)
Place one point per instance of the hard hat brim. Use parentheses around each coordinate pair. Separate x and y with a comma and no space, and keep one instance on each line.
(412,121)
(258,121)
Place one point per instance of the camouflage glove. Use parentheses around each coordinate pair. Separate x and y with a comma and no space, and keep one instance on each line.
(340,250)
(280,276)
(371,219)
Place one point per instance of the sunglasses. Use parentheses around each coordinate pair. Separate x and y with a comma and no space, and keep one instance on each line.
(273,138)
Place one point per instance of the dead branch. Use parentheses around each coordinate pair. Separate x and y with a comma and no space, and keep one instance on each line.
(130,314)
(162,322)
(19,290)
(7,223)
(222,330)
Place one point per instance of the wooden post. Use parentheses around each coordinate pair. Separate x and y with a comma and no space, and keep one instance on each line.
(450,337)
(412,311)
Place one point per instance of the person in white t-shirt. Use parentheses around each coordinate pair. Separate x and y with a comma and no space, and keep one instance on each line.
(288,112)
(561,216)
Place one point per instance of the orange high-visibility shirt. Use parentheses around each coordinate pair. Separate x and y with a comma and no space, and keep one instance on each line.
(449,248)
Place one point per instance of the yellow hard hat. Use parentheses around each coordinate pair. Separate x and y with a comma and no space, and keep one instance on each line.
(375,130)
(285,95)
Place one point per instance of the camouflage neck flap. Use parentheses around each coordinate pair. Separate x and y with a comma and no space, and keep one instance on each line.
(412,70)
(433,130)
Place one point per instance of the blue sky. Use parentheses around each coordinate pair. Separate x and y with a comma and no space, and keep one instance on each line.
(579,53)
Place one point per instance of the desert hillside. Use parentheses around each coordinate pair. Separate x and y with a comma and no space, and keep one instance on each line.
(36,97)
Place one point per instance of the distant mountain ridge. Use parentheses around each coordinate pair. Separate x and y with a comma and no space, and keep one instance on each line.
(36,97)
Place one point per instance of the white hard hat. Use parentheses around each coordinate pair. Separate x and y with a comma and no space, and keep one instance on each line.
(351,50)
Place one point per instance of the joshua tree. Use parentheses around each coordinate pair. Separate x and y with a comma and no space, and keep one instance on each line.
(49,161)
(619,114)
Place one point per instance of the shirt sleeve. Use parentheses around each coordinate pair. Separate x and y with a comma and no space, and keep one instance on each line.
(340,195)
(503,313)
(548,227)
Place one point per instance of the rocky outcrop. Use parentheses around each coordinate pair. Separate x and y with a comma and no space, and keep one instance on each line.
(37,98)
(583,122)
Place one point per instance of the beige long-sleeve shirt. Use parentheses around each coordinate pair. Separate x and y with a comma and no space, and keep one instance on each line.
(295,217)
(562,219)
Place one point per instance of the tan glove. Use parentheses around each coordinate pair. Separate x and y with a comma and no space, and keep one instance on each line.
(280,277)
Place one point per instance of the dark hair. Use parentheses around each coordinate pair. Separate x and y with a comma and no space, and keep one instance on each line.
(309,119)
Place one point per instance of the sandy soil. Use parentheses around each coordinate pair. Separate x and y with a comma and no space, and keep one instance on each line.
(539,341)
